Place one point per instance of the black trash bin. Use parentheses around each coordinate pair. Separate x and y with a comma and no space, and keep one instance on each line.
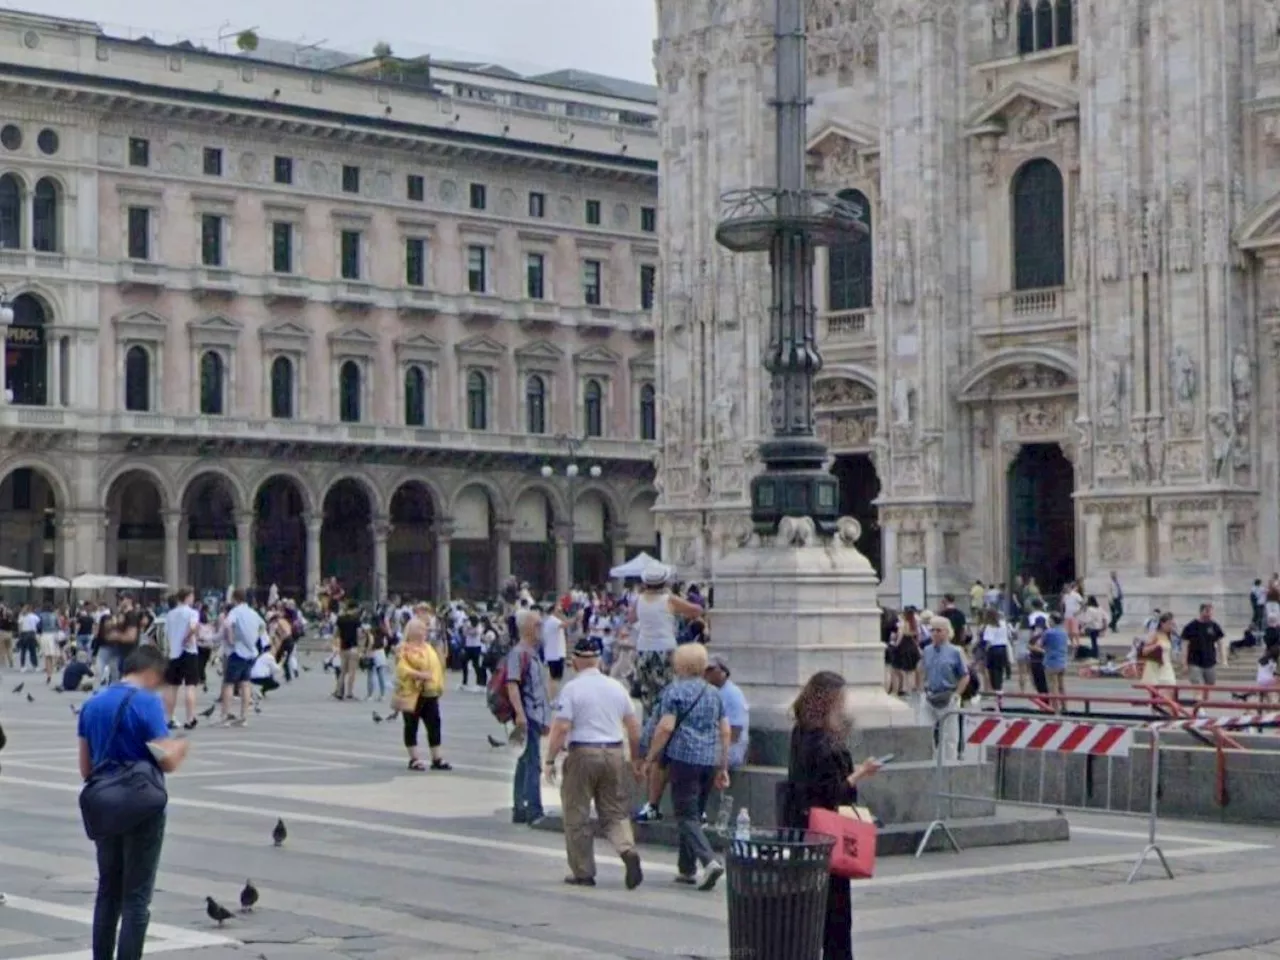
(777,889)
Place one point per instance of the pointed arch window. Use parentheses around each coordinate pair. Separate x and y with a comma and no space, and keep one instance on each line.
(1038,229)
(535,403)
(349,392)
(593,408)
(1045,24)
(10,212)
(137,380)
(648,413)
(282,388)
(415,397)
(849,263)
(213,389)
(44,216)
(477,401)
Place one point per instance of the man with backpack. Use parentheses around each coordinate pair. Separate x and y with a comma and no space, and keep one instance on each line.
(529,708)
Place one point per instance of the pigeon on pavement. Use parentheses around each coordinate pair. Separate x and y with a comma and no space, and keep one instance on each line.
(377,717)
(495,742)
(279,834)
(30,698)
(75,710)
(18,688)
(209,713)
(248,896)
(216,911)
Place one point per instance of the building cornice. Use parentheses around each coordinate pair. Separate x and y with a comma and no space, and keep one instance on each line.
(152,103)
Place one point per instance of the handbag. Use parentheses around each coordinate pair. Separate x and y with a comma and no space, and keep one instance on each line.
(118,796)
(854,855)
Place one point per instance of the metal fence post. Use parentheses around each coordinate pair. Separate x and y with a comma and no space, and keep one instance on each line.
(1153,814)
(939,821)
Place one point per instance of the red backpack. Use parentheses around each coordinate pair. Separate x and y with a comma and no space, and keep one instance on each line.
(496,690)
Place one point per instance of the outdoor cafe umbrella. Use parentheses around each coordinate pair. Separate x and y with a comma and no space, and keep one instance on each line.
(9,573)
(39,583)
(635,567)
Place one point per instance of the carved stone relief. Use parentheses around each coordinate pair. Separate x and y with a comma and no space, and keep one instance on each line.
(844,430)
(1242,401)
(1215,224)
(1236,255)
(1109,240)
(1029,377)
(1184,460)
(1000,11)
(1268,29)
(1139,462)
(1181,253)
(1115,545)
(842,393)
(1040,419)
(1111,390)
(906,471)
(904,266)
(1029,124)
(988,153)
(1185,383)
(902,402)
(910,548)
(1189,543)
(1113,460)
(1221,440)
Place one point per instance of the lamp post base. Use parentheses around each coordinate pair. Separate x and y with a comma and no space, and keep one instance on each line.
(794,484)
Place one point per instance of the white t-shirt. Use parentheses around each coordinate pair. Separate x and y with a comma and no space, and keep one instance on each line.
(179,624)
(997,636)
(1071,603)
(29,623)
(655,623)
(553,645)
(595,706)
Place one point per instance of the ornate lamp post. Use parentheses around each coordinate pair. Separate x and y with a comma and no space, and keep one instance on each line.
(572,472)
(6,318)
(790,221)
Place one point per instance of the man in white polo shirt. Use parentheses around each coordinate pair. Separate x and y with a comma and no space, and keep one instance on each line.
(593,716)
(182,631)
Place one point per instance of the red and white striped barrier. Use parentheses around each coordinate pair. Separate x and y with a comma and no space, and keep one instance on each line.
(1241,722)
(1058,736)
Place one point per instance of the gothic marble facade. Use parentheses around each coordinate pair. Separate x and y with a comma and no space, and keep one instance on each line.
(1075,243)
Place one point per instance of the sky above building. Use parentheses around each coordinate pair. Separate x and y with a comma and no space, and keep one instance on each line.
(612,37)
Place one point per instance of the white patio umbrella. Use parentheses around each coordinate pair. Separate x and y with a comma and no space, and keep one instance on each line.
(635,567)
(9,573)
(50,582)
(104,581)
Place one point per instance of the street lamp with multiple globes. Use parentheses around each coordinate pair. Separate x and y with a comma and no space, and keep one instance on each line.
(572,472)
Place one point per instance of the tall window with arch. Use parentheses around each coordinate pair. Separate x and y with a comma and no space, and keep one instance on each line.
(44,216)
(349,388)
(282,388)
(415,396)
(1039,243)
(213,387)
(10,212)
(648,413)
(535,404)
(593,408)
(1045,24)
(849,263)
(137,379)
(477,401)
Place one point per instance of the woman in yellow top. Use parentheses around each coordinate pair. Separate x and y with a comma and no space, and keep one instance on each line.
(419,683)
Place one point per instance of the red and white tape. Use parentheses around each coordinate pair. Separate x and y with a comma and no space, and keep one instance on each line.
(1241,722)
(1058,736)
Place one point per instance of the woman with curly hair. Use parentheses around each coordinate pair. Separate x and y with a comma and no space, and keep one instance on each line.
(822,774)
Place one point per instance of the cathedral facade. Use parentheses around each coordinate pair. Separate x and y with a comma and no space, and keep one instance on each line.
(1056,351)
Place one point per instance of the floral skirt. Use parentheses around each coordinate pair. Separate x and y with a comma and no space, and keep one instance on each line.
(653,673)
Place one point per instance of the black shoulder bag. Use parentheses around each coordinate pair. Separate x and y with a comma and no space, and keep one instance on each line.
(680,717)
(117,796)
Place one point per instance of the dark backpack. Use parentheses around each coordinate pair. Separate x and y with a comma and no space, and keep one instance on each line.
(496,690)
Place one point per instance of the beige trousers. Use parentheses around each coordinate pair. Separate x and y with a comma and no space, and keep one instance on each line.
(594,774)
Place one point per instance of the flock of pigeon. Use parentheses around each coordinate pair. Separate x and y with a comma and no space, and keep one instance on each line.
(249,895)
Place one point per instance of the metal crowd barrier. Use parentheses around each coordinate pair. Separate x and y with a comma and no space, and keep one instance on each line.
(1064,735)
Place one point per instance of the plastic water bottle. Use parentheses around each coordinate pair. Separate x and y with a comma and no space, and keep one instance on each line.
(722,814)
(742,827)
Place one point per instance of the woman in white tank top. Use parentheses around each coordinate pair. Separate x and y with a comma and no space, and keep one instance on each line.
(653,620)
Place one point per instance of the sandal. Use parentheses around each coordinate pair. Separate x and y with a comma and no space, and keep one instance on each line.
(441,765)
(417,765)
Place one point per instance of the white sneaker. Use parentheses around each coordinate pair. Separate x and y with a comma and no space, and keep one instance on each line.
(709,875)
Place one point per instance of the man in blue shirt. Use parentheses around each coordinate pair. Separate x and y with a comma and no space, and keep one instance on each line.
(946,675)
(127,862)
(1055,643)
(736,710)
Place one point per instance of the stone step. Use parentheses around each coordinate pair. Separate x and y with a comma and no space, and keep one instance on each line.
(901,839)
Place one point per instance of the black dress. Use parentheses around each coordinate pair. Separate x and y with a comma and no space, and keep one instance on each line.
(819,776)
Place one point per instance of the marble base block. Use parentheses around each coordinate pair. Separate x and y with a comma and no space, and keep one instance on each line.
(791,605)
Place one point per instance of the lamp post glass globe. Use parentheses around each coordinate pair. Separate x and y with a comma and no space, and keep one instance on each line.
(595,471)
(6,313)
(546,470)
(571,470)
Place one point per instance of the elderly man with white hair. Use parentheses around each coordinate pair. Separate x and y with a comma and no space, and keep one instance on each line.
(527,690)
